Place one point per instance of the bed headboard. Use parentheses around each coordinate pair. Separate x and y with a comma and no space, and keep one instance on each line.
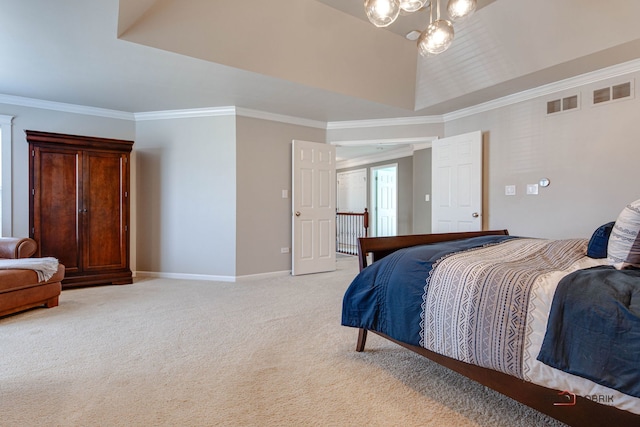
(380,247)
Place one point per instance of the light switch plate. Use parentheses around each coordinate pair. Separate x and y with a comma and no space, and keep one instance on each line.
(532,189)
(285,194)
(509,190)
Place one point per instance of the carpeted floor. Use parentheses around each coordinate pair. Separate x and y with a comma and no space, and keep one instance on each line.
(265,352)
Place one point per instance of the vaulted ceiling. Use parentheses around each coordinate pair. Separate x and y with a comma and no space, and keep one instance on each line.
(314,59)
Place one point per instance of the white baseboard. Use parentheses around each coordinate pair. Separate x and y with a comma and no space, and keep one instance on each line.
(263,275)
(185,276)
(212,278)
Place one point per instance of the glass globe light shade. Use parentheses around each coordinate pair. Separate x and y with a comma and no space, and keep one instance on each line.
(382,13)
(461,9)
(436,38)
(412,5)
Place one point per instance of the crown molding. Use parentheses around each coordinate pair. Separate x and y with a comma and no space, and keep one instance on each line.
(185,114)
(548,89)
(227,111)
(385,141)
(399,121)
(65,108)
(263,115)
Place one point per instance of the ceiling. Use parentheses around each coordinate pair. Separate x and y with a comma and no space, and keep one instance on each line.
(313,59)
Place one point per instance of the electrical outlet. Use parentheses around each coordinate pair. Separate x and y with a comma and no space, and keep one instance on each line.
(509,190)
(532,189)
(284,250)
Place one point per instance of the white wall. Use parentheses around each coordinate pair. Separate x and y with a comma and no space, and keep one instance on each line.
(590,155)
(186,196)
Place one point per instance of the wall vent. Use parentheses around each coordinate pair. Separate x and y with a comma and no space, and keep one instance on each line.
(612,93)
(562,104)
(621,91)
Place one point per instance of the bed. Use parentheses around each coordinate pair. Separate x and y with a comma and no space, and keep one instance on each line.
(479,303)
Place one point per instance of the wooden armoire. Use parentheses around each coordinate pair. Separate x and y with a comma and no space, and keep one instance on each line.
(79,205)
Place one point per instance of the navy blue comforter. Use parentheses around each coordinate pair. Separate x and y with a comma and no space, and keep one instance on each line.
(594,328)
(387,295)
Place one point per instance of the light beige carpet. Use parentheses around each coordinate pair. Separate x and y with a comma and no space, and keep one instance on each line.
(256,353)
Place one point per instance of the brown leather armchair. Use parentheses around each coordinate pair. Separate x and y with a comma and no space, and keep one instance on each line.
(21,289)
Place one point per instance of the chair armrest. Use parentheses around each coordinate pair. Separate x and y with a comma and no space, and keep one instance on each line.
(17,247)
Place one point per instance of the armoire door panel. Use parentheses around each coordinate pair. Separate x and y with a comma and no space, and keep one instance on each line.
(104,217)
(56,204)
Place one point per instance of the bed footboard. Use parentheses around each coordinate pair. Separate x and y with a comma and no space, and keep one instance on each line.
(379,247)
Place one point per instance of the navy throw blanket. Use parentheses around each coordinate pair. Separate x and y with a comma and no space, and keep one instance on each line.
(594,328)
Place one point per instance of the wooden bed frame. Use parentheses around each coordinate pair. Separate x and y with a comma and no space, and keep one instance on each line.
(582,412)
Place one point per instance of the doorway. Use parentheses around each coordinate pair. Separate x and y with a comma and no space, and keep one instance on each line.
(457,183)
(352,190)
(384,200)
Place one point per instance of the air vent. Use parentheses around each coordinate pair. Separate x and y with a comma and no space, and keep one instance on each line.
(612,93)
(602,95)
(621,91)
(570,103)
(554,106)
(563,104)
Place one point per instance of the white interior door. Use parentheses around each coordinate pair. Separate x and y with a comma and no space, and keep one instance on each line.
(457,183)
(385,190)
(314,208)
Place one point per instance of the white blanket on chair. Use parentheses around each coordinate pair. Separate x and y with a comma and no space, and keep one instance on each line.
(45,267)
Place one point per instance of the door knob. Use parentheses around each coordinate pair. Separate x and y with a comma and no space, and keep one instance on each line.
(297,213)
(475,214)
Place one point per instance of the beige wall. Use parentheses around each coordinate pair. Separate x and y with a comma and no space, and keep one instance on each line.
(590,155)
(263,171)
(421,187)
(186,196)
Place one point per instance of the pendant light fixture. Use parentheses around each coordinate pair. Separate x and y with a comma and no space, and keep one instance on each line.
(412,5)
(438,36)
(382,13)
(460,9)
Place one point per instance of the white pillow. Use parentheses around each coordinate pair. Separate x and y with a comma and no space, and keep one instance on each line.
(624,243)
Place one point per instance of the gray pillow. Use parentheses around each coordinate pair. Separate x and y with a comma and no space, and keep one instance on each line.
(624,243)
